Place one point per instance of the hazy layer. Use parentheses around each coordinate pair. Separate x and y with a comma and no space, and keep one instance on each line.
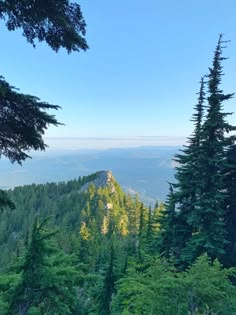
(93,143)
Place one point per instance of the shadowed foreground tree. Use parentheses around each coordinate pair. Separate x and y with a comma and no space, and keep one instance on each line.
(23,122)
(24,118)
(47,277)
(59,23)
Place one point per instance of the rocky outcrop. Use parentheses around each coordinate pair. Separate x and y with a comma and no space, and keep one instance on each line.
(102,179)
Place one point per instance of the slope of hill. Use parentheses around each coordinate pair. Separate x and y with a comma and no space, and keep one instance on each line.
(85,205)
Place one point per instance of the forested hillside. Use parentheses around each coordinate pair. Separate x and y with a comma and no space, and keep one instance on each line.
(80,208)
(99,229)
(86,247)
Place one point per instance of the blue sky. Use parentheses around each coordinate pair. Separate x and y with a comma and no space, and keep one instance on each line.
(141,73)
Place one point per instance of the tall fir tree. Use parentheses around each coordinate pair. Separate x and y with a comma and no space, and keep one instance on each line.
(187,186)
(200,221)
(210,214)
(181,200)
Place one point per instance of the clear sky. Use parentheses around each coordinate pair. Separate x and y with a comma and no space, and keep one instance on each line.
(141,73)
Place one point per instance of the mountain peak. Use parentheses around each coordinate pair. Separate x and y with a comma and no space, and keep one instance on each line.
(101,179)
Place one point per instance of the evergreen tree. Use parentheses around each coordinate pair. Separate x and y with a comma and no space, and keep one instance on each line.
(153,227)
(141,233)
(133,209)
(47,277)
(23,118)
(149,224)
(204,289)
(181,203)
(200,195)
(209,217)
(108,284)
(167,221)
(230,206)
(187,186)
(23,122)
(5,201)
(60,23)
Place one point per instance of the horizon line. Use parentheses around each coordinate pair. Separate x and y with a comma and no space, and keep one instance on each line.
(114,138)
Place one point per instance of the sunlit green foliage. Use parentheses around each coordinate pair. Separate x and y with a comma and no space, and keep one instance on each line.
(203,289)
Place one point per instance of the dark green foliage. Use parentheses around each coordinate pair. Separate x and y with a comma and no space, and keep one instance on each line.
(230,206)
(23,122)
(167,222)
(152,239)
(59,23)
(5,201)
(23,118)
(188,187)
(46,277)
(211,235)
(201,222)
(107,289)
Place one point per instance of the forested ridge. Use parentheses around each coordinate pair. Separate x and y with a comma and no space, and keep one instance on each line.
(99,229)
(86,247)
(78,207)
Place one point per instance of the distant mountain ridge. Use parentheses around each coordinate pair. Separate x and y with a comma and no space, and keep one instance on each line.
(143,170)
